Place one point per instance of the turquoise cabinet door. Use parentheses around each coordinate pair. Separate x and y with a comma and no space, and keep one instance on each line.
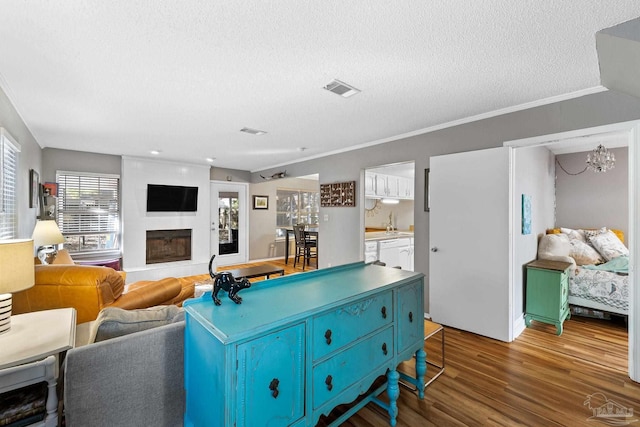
(410,315)
(270,389)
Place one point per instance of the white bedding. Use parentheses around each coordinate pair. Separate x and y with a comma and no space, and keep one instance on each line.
(598,289)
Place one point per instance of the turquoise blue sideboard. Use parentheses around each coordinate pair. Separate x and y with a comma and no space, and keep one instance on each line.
(300,345)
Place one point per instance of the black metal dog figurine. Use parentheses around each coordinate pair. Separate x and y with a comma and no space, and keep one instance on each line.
(225,281)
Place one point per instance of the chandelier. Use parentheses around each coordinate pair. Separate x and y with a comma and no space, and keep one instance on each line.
(601,159)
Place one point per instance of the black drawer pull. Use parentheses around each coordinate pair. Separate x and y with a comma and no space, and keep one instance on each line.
(328,382)
(384,348)
(411,317)
(384,312)
(327,336)
(273,386)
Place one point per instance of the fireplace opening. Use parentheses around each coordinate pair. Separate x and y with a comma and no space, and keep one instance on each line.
(168,245)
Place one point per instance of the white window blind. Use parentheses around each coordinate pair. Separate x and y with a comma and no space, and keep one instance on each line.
(9,150)
(89,211)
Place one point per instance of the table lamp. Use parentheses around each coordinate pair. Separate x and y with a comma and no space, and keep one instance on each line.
(17,273)
(45,237)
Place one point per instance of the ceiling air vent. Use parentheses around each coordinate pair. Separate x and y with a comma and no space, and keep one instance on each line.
(253,131)
(341,88)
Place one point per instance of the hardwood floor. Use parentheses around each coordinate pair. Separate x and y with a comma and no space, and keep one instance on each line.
(540,379)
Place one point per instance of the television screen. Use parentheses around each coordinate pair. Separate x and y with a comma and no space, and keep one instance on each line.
(171,198)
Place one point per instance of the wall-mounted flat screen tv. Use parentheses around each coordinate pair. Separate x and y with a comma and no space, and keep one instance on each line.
(171,198)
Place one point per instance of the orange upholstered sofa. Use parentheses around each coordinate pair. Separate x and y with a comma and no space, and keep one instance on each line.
(89,289)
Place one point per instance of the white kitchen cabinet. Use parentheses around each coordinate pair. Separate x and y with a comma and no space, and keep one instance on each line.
(369,184)
(411,255)
(405,188)
(395,253)
(381,185)
(370,251)
(392,186)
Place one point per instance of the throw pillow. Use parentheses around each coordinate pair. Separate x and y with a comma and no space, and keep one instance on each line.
(553,245)
(63,258)
(589,234)
(609,245)
(114,322)
(574,234)
(583,253)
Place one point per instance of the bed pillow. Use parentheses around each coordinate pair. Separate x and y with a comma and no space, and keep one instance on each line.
(609,245)
(583,253)
(574,234)
(589,234)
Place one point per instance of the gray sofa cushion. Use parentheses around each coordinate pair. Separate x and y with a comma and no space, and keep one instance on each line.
(115,322)
(133,380)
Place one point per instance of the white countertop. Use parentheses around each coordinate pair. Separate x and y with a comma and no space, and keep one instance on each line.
(383,235)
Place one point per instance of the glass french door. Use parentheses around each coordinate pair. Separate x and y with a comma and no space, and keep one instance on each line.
(229,222)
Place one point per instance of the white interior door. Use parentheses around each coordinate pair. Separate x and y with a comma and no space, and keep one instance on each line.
(229,230)
(470,226)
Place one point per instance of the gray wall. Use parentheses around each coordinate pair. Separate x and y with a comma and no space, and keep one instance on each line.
(55,159)
(224,174)
(340,241)
(262,223)
(535,177)
(29,158)
(593,200)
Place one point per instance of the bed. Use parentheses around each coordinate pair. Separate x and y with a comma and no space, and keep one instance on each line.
(599,281)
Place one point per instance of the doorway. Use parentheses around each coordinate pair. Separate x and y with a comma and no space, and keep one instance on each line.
(632,130)
(229,222)
(388,214)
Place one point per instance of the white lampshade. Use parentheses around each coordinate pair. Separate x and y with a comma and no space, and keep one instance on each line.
(17,273)
(47,233)
(16,265)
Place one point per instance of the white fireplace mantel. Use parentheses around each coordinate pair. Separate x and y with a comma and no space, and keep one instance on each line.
(136,174)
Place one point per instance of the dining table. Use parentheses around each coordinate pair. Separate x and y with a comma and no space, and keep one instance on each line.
(309,231)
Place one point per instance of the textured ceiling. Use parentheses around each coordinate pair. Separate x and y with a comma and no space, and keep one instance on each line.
(123,77)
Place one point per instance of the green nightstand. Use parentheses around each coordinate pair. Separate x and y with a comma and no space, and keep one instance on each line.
(547,293)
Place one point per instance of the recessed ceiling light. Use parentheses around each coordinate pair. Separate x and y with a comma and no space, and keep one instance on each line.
(210,159)
(253,131)
(155,152)
(341,88)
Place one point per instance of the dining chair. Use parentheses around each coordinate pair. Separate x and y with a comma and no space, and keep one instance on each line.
(306,247)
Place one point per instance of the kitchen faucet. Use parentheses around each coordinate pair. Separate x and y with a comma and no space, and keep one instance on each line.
(390,224)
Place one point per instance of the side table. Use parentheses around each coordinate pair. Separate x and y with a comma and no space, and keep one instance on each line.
(547,296)
(33,337)
(36,335)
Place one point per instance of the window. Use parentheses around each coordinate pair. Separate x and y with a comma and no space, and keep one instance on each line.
(296,207)
(9,150)
(89,211)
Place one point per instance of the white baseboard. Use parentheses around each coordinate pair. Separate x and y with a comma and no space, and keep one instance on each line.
(518,326)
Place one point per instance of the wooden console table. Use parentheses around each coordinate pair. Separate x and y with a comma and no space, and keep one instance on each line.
(300,345)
